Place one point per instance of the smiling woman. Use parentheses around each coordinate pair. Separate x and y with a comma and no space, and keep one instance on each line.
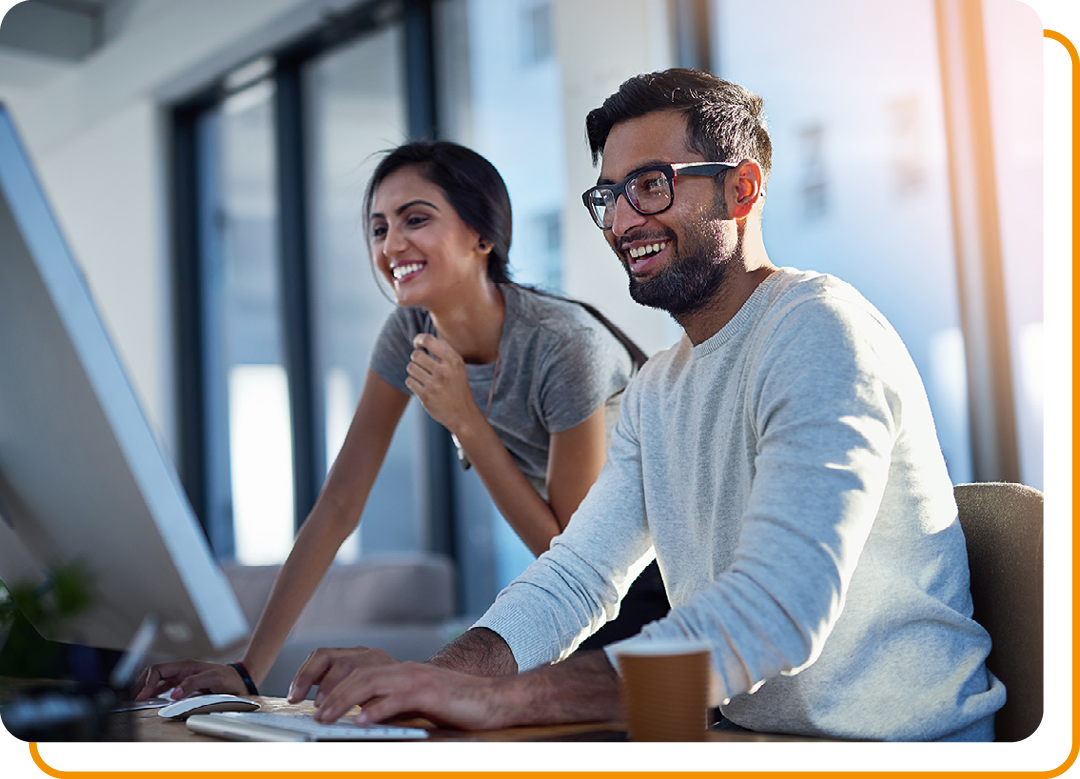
(527,383)
(423,248)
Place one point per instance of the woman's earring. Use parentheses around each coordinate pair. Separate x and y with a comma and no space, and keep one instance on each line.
(481,246)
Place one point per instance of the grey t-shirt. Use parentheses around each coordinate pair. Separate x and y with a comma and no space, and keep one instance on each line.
(557,365)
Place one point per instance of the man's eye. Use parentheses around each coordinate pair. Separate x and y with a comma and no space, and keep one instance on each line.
(651,184)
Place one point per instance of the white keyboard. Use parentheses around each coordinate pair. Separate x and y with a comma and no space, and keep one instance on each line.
(282,726)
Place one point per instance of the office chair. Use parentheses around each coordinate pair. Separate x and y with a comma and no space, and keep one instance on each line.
(1003,525)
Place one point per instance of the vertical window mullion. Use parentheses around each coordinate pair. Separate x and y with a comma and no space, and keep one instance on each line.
(422,117)
(977,236)
(187,308)
(420,69)
(295,296)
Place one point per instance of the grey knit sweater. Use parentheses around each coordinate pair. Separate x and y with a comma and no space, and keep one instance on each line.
(787,476)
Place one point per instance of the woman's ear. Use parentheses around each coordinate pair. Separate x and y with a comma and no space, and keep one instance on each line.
(483,246)
(748,188)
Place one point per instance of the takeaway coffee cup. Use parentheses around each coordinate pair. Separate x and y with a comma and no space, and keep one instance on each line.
(665,687)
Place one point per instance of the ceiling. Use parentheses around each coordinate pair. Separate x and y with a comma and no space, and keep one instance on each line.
(41,40)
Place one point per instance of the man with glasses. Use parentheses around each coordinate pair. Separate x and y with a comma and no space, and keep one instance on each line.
(780,462)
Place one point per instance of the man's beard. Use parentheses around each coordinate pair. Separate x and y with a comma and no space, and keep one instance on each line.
(686,285)
(693,277)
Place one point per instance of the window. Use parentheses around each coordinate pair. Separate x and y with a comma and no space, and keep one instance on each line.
(1014,58)
(884,221)
(535,31)
(279,306)
(351,117)
(875,96)
(505,103)
(250,487)
(815,181)
(296,331)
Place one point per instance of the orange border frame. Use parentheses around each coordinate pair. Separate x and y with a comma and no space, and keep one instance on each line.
(1062,63)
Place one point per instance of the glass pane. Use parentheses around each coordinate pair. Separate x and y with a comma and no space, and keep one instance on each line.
(248,388)
(356,108)
(500,90)
(500,94)
(859,184)
(1014,57)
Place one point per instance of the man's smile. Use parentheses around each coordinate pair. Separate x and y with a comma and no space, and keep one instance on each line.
(641,255)
(643,251)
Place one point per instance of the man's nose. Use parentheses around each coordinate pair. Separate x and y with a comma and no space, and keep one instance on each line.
(626,216)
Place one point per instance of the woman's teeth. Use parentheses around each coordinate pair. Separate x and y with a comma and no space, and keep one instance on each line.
(401,271)
(642,251)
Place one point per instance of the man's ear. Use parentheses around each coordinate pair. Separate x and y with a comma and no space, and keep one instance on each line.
(747,183)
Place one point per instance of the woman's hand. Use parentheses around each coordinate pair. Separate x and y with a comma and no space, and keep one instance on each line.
(188,677)
(437,376)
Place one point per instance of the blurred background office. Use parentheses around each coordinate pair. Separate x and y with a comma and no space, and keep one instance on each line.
(207,161)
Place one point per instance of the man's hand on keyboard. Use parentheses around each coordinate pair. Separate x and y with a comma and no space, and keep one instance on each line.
(445,697)
(329,667)
(582,688)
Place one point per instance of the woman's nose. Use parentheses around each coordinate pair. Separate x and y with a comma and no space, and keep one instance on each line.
(394,242)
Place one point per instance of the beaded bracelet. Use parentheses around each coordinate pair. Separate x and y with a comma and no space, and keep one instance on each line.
(245,677)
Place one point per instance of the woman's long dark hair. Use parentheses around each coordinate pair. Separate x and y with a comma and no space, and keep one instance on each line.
(477,192)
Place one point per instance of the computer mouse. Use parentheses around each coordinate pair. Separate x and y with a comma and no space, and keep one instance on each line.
(204,704)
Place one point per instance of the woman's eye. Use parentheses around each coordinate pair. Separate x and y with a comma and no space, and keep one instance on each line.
(378,231)
(416,220)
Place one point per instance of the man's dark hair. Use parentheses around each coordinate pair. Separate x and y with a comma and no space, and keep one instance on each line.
(724,121)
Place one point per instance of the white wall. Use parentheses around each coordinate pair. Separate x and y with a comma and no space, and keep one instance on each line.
(96,131)
(600,44)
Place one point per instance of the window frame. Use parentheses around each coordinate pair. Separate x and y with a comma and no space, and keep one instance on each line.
(200,466)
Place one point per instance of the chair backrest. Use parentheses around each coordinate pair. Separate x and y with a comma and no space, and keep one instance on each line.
(1003,525)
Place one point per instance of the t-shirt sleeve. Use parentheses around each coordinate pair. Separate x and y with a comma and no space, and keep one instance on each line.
(580,374)
(393,347)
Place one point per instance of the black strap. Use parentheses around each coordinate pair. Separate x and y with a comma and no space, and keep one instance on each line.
(245,677)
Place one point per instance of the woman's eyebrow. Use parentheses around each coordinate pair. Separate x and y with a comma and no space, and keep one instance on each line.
(404,206)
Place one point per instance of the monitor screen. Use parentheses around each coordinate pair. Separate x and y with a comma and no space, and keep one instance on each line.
(83,477)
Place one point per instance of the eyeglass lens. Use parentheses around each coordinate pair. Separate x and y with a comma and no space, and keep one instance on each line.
(649,192)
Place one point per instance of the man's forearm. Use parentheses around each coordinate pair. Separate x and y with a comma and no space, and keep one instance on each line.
(582,688)
(480,652)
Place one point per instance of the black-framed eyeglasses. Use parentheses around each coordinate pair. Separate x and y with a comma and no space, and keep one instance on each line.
(648,190)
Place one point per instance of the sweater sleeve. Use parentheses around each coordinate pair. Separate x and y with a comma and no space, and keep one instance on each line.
(576,586)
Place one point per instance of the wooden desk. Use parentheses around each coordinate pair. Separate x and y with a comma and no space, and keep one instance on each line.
(151,728)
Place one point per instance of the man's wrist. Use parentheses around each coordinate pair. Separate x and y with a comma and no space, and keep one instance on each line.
(478,651)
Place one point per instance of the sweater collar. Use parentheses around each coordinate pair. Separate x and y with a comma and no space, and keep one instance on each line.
(742,318)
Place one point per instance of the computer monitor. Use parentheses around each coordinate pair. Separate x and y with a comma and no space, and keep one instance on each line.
(82,475)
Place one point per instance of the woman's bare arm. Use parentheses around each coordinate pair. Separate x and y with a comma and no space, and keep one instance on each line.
(438,377)
(334,516)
